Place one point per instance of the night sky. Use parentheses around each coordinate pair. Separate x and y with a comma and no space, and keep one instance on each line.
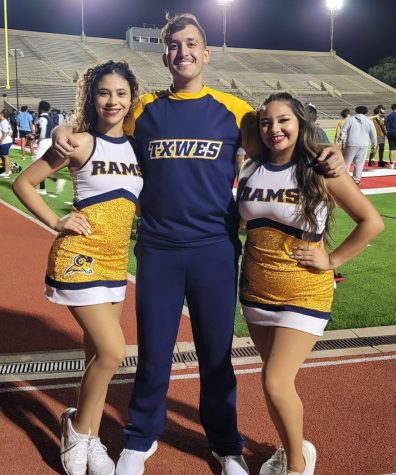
(365,30)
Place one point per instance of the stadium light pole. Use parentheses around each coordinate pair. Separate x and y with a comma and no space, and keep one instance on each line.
(82,21)
(334,6)
(224,4)
(16,52)
(7,86)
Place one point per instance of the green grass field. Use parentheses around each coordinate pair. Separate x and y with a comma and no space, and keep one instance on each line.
(366,298)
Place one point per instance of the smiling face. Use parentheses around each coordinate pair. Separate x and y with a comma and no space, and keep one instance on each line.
(112,103)
(185,56)
(279,129)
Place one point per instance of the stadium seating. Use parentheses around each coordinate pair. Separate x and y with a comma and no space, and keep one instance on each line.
(52,63)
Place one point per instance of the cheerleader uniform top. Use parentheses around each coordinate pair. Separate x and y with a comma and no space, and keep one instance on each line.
(86,270)
(274,289)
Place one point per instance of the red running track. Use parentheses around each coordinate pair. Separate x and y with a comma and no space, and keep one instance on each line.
(349,403)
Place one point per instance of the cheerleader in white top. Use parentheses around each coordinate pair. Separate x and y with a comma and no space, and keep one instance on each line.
(87,265)
(286,283)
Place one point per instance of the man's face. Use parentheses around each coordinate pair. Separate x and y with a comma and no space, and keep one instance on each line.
(185,56)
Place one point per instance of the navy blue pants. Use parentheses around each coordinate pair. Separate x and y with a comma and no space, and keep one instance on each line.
(207,277)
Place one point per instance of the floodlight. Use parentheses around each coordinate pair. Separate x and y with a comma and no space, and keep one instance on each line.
(334,5)
(224,4)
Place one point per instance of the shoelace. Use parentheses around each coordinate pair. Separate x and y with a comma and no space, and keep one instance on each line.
(278,460)
(133,452)
(97,450)
(230,458)
(80,449)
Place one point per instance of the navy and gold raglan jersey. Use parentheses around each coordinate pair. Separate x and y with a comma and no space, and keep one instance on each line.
(186,147)
(86,270)
(274,289)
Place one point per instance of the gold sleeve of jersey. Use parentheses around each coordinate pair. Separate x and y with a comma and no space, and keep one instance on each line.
(246,119)
(130,122)
(236,106)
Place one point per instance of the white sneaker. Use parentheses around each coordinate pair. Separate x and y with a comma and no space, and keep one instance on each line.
(276,465)
(74,446)
(232,464)
(60,185)
(131,462)
(309,453)
(99,463)
(42,192)
(5,175)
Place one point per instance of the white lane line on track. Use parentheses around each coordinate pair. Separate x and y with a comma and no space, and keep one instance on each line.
(378,191)
(175,377)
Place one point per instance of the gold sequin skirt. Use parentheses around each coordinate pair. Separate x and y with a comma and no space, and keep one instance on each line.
(78,262)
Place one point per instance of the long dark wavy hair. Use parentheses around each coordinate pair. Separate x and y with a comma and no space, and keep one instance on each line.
(314,194)
(86,115)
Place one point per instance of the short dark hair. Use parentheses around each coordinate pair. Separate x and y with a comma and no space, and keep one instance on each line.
(178,23)
(345,113)
(44,106)
(361,110)
(312,112)
(5,113)
(378,109)
(24,108)
(393,107)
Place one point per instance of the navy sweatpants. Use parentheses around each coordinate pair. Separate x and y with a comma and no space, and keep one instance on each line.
(207,276)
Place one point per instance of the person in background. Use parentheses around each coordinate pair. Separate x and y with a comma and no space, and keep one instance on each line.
(356,133)
(25,128)
(286,282)
(44,142)
(345,113)
(61,117)
(379,124)
(320,134)
(87,263)
(14,124)
(241,156)
(390,125)
(5,143)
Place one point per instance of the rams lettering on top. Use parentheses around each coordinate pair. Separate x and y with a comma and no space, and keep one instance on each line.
(101,167)
(186,148)
(283,195)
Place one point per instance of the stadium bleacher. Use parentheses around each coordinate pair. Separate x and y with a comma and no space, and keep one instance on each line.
(52,63)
